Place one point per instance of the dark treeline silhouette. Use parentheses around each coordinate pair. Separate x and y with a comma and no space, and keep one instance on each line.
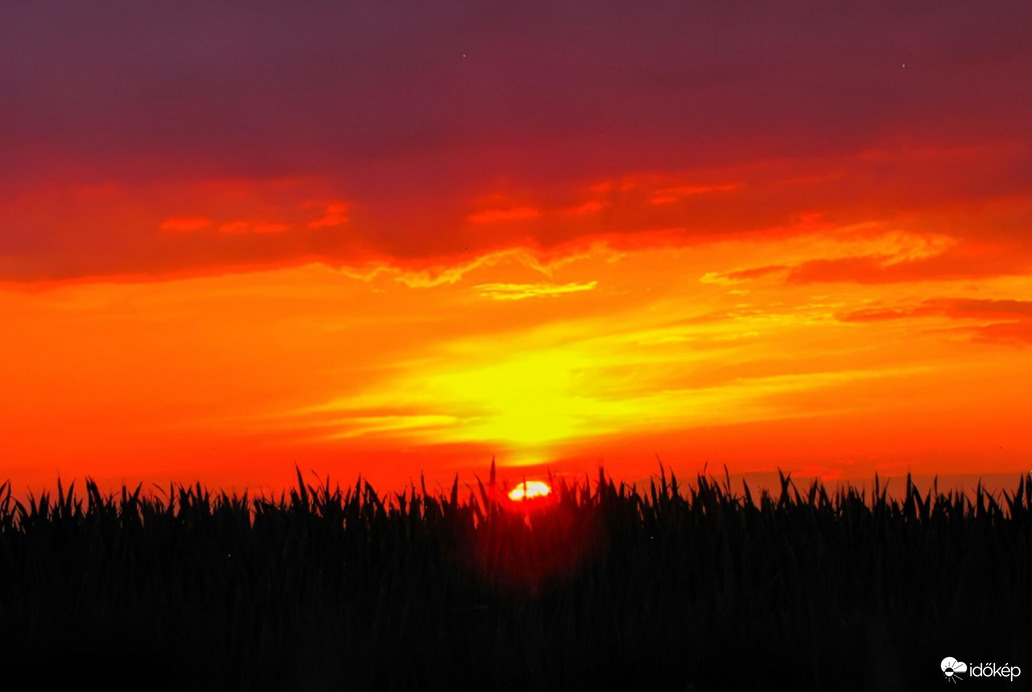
(701,587)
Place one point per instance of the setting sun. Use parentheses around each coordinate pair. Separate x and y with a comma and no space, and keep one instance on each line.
(529,490)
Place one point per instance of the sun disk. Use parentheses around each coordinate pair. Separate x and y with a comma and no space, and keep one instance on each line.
(529,490)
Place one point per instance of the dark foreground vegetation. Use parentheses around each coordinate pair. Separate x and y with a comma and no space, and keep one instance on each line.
(601,585)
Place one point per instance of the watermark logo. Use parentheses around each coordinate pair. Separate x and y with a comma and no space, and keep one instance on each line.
(955,670)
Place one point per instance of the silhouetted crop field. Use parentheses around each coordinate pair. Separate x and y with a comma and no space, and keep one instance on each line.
(702,586)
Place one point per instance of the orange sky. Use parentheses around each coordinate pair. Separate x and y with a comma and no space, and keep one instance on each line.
(834,281)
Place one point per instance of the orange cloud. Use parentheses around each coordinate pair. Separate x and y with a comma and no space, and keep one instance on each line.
(740,275)
(958,308)
(193,223)
(234,227)
(1014,333)
(336,215)
(668,195)
(589,207)
(500,291)
(875,269)
(504,215)
(442,274)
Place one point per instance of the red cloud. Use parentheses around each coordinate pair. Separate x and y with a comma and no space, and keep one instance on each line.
(1016,327)
(1016,333)
(336,215)
(194,223)
(503,215)
(961,262)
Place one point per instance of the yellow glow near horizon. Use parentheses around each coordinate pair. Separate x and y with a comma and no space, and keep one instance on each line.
(687,354)
(527,399)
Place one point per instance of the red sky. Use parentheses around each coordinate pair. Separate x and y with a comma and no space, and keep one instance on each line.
(390,239)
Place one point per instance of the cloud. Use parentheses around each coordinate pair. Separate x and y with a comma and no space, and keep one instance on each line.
(983,309)
(501,291)
(183,228)
(955,308)
(194,223)
(489,216)
(874,253)
(882,314)
(1013,333)
(739,120)
(880,269)
(589,207)
(740,275)
(668,195)
(390,424)
(336,215)
(254,227)
(453,273)
(1010,321)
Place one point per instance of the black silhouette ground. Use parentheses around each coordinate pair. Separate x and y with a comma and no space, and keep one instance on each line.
(703,588)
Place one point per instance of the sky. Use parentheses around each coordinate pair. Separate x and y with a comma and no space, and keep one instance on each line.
(405,238)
